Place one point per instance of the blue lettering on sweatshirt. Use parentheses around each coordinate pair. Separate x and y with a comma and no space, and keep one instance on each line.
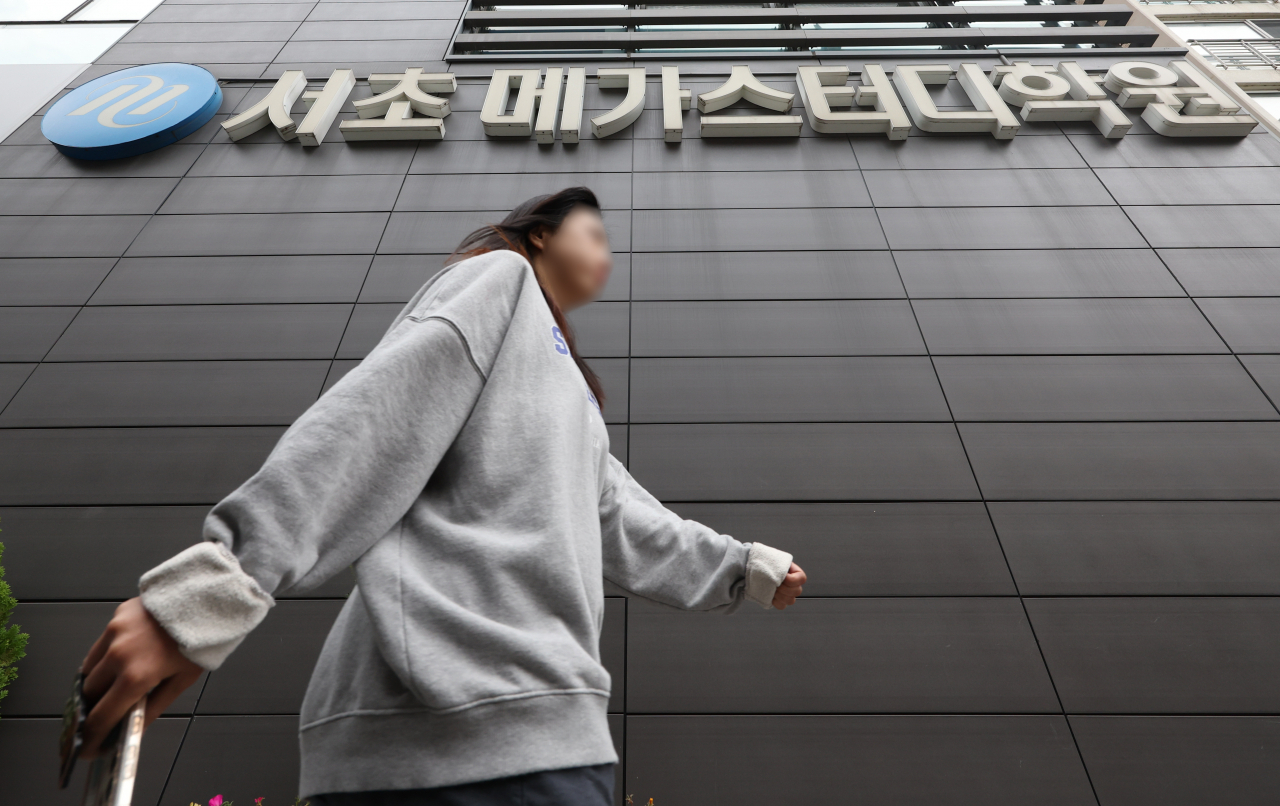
(561,347)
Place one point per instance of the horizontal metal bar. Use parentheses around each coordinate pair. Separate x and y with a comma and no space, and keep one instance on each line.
(888,38)
(1115,14)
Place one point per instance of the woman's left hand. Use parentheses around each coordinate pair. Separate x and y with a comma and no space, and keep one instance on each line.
(790,588)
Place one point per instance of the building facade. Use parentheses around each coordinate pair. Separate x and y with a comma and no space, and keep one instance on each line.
(983,329)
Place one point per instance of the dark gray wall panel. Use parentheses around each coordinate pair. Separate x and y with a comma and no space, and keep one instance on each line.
(986,188)
(1183,387)
(90,466)
(726,190)
(1208,225)
(61,635)
(187,332)
(1249,325)
(1265,369)
(1225,272)
(730,230)
(775,327)
(27,333)
(220,31)
(456,192)
(521,156)
(898,655)
(46,161)
(90,196)
(229,12)
(28,134)
(1171,152)
(238,757)
(25,746)
(765,275)
(258,234)
(1066,461)
(281,194)
(993,760)
(1036,273)
(764,389)
(396,50)
(233,279)
(373,30)
(68,235)
(808,154)
(909,549)
(51,281)
(802,462)
(1021,327)
(1180,760)
(615,377)
(601,328)
(403,10)
(166,393)
(430,233)
(337,369)
(618,286)
(113,545)
(1141,548)
(12,376)
(395,278)
(246,54)
(268,673)
(1009,227)
(1156,654)
(974,151)
(281,159)
(1256,185)
(367,326)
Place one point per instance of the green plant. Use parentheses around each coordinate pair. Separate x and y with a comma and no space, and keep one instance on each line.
(13,644)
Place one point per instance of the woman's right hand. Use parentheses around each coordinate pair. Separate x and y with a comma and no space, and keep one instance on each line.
(133,658)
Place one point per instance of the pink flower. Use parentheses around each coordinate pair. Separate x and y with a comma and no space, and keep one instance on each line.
(216,800)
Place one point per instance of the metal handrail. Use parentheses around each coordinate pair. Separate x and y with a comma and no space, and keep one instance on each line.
(1240,54)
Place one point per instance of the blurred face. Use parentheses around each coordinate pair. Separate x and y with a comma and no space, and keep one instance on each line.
(575,260)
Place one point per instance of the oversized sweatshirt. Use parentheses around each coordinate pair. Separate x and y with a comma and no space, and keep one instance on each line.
(463,469)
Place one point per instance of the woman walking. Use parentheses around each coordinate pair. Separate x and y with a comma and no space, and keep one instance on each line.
(463,468)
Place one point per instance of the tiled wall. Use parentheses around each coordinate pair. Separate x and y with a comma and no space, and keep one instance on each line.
(1010,404)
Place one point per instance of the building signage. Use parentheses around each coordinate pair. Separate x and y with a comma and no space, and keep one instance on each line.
(143,108)
(132,111)
(1176,101)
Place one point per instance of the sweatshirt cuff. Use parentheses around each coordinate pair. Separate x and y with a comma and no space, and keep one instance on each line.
(205,601)
(766,568)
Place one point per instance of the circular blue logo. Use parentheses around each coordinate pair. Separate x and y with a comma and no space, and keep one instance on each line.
(132,111)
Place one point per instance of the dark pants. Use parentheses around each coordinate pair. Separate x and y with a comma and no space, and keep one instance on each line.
(570,786)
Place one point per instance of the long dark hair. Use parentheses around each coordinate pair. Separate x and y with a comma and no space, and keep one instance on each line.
(546,212)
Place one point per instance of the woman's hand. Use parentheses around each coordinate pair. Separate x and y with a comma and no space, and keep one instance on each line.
(790,588)
(133,658)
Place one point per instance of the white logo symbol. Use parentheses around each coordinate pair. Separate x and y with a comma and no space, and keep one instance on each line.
(107,116)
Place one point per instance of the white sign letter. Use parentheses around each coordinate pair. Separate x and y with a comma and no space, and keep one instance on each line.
(990,112)
(822,88)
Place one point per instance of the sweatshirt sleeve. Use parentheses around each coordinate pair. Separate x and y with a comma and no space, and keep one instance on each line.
(343,474)
(651,551)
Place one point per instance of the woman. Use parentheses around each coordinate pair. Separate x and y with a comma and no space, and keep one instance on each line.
(463,467)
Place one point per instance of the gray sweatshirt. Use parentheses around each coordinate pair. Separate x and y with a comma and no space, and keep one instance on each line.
(463,468)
